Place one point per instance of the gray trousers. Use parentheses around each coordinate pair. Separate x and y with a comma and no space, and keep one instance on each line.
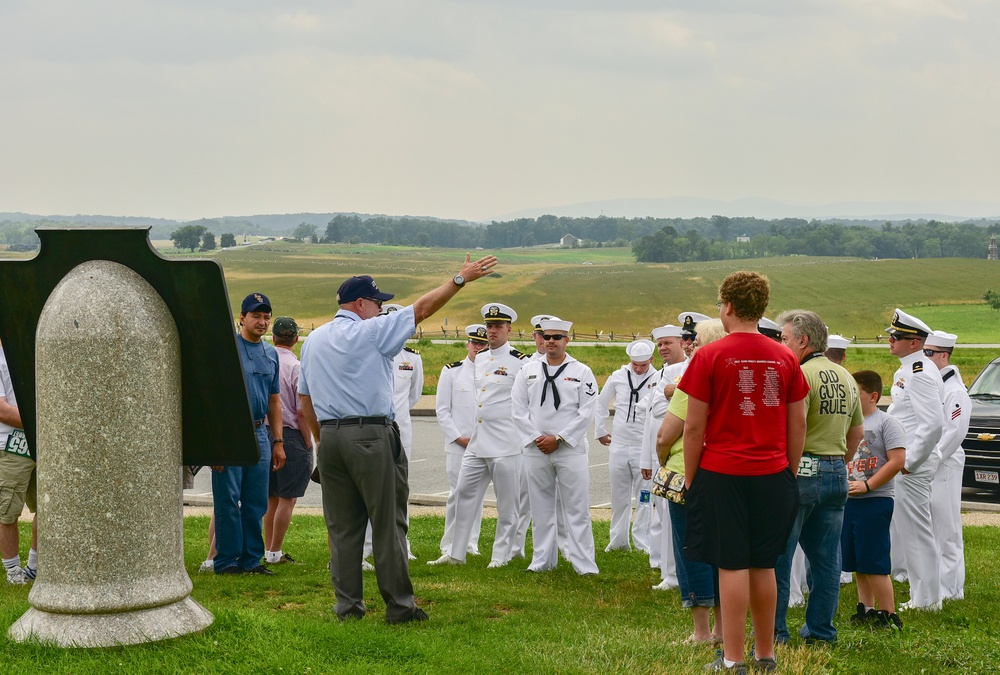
(363,473)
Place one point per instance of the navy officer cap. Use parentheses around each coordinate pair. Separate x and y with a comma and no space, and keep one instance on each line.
(255,302)
(360,287)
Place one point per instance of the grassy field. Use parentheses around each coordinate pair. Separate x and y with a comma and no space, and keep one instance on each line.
(489,621)
(614,293)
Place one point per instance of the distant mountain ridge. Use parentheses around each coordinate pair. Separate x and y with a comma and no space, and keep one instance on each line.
(695,207)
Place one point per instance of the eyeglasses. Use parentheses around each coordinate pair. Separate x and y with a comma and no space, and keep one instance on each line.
(931,352)
(377,302)
(718,305)
(555,337)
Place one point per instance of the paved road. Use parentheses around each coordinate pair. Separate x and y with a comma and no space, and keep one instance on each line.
(427,472)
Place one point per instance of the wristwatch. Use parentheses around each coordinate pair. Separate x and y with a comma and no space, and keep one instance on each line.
(459,280)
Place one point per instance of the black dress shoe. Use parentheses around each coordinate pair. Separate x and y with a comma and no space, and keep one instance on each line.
(417,615)
(260,569)
(232,569)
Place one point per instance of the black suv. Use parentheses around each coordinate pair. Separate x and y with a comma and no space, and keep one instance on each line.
(982,443)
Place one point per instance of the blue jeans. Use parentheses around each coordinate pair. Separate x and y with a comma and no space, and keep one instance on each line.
(239,494)
(817,529)
(698,581)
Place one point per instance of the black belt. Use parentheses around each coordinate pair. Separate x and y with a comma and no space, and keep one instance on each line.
(357,422)
(824,458)
(257,423)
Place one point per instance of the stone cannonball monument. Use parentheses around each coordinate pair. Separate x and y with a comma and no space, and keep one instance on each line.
(108,425)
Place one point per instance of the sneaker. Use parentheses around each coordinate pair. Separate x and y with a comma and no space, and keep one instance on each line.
(260,569)
(862,617)
(367,566)
(207,566)
(285,558)
(885,619)
(418,615)
(719,666)
(767,664)
(232,569)
(16,576)
(664,585)
(494,564)
(446,560)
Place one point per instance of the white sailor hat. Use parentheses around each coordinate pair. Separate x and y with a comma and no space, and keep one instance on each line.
(837,342)
(556,324)
(640,350)
(939,338)
(476,332)
(496,311)
(390,307)
(688,321)
(536,321)
(905,326)
(669,330)
(769,328)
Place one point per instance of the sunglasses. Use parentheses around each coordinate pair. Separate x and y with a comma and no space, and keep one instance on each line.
(931,352)
(377,302)
(899,337)
(555,337)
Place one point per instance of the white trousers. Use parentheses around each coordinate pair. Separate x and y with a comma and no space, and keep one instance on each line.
(915,552)
(946,510)
(626,484)
(655,532)
(668,565)
(573,474)
(453,465)
(473,479)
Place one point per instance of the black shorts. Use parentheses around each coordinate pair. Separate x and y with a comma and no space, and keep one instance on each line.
(291,480)
(740,522)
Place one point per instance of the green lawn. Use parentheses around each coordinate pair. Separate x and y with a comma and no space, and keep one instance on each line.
(488,621)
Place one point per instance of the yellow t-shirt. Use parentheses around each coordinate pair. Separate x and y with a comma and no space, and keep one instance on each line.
(678,407)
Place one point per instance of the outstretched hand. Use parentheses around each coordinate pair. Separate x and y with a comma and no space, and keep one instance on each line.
(473,270)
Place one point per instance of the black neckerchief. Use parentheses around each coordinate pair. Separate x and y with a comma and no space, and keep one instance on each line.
(810,358)
(551,380)
(634,395)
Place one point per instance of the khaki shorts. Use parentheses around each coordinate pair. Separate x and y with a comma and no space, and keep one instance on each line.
(17,486)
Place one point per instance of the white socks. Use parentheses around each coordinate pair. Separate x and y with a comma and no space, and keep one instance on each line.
(273,556)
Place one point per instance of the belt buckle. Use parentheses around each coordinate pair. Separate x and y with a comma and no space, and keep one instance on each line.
(808,467)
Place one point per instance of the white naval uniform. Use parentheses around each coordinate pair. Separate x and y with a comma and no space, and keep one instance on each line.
(408,383)
(407,386)
(627,389)
(568,464)
(493,454)
(946,493)
(456,415)
(661,552)
(917,403)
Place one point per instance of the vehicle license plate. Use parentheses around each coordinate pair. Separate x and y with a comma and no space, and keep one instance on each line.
(988,477)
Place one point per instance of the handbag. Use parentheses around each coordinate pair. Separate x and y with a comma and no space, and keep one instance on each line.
(669,485)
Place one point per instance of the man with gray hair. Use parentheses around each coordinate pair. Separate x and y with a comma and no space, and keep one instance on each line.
(834,428)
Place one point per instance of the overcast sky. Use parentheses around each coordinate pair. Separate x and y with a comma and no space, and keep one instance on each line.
(471,109)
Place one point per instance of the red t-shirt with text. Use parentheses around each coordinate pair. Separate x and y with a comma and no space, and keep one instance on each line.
(747,380)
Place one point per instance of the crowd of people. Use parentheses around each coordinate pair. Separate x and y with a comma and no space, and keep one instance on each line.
(776,471)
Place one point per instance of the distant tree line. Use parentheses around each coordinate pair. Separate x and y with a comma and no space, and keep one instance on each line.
(652,239)
(923,239)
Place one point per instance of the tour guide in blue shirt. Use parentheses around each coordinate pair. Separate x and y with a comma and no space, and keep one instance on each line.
(240,492)
(345,385)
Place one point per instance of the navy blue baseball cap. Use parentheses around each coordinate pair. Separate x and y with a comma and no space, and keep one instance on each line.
(255,302)
(360,287)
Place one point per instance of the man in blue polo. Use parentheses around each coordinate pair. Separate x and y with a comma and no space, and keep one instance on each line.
(239,493)
(346,386)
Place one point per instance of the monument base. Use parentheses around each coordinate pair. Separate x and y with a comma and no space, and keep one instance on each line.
(111,630)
